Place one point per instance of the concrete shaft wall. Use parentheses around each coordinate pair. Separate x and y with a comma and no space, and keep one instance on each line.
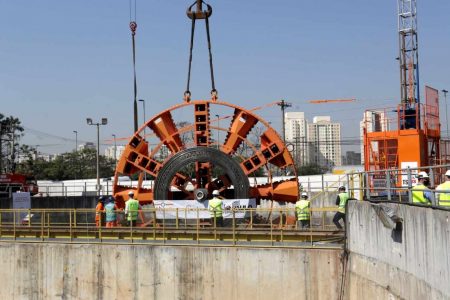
(413,264)
(71,271)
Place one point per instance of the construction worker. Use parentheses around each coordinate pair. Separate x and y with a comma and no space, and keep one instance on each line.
(215,209)
(444,197)
(99,209)
(421,194)
(302,211)
(341,201)
(111,212)
(132,208)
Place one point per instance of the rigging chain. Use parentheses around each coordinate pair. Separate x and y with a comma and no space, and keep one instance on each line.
(194,15)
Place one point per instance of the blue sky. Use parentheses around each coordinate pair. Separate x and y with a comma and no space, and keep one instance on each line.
(63,61)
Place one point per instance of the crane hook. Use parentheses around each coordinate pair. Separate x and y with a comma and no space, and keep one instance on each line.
(199,13)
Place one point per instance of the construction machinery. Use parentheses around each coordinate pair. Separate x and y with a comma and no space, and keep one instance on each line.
(407,135)
(188,159)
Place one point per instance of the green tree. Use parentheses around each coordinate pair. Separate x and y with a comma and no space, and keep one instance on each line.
(70,165)
(10,134)
(311,169)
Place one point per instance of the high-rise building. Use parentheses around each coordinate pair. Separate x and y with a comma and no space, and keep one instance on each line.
(324,139)
(109,152)
(296,134)
(372,121)
(87,145)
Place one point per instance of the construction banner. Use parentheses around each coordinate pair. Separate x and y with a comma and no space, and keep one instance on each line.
(191,209)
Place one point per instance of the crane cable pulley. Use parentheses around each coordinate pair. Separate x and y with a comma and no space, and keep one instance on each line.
(199,13)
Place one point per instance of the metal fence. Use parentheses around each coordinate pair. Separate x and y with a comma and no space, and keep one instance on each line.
(241,227)
(398,184)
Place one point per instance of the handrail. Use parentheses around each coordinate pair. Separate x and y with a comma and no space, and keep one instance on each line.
(242,227)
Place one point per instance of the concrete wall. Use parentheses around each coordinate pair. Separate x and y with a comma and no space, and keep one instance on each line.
(413,264)
(71,271)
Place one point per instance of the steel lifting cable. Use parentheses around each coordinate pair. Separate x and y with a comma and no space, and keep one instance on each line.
(133,27)
(187,93)
(194,15)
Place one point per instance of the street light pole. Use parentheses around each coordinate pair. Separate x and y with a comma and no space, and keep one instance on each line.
(76,140)
(76,153)
(446,115)
(218,125)
(115,153)
(104,122)
(143,108)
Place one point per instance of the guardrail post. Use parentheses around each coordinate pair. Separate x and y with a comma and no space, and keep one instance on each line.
(366,186)
(198,227)
(70,224)
(164,225)
(100,227)
(234,227)
(433,194)
(14,224)
(388,185)
(408,172)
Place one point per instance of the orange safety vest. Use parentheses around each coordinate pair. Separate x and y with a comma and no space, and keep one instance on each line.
(98,210)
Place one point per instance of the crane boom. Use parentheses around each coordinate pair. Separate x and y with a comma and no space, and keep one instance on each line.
(331,101)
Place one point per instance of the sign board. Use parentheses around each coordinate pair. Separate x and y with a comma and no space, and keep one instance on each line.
(405,165)
(191,209)
(21,200)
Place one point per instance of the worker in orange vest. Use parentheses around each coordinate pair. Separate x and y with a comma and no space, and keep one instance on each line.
(99,209)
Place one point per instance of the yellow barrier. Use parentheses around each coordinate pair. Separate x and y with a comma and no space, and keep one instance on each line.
(276,227)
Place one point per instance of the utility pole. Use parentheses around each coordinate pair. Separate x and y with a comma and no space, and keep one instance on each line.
(283,106)
(115,153)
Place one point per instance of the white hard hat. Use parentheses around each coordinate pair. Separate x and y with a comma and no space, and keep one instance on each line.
(447,173)
(304,194)
(130,193)
(422,175)
(341,188)
(215,193)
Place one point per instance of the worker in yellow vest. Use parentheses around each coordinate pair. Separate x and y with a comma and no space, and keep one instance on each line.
(302,211)
(215,209)
(132,210)
(421,194)
(443,198)
(341,201)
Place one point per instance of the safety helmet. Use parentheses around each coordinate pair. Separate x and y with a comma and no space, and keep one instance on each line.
(341,188)
(215,193)
(422,175)
(304,195)
(130,193)
(100,199)
(447,173)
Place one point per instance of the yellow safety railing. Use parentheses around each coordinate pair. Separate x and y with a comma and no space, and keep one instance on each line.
(237,227)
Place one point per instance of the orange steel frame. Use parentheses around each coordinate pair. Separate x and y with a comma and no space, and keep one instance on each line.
(388,149)
(136,157)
